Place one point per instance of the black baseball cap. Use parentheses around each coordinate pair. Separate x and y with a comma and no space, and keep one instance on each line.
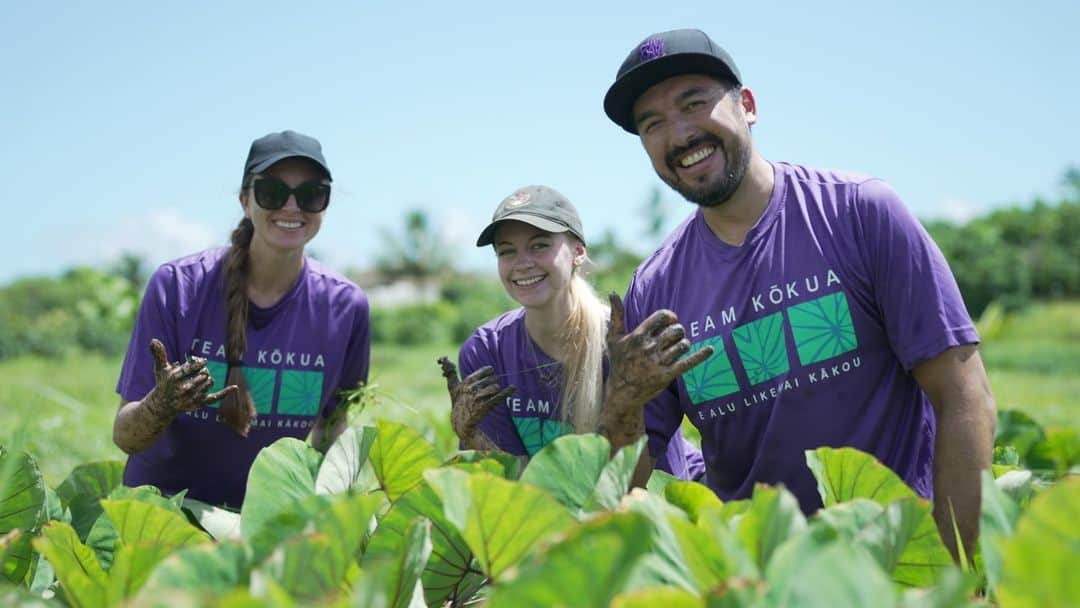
(273,147)
(539,206)
(658,58)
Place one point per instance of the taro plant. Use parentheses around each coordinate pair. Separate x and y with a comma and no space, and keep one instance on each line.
(383,519)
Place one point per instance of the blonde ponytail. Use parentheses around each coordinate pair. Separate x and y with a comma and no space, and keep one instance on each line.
(583,337)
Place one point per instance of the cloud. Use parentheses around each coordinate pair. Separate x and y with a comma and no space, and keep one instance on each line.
(158,235)
(956,210)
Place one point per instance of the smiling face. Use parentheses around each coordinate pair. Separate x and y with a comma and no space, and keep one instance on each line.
(696,131)
(289,228)
(536,266)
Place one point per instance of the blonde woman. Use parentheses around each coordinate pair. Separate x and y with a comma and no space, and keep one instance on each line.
(550,353)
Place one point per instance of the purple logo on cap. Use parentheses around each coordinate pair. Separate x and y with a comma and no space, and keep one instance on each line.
(651,49)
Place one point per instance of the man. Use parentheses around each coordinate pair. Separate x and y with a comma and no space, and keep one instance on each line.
(832,316)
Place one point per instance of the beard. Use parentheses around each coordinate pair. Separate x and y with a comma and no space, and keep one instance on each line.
(714,190)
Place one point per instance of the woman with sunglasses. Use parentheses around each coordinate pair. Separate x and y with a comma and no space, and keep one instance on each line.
(265,337)
(552,353)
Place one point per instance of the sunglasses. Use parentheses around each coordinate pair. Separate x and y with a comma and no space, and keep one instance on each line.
(272,193)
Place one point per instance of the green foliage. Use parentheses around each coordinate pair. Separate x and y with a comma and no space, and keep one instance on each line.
(22,508)
(1015,255)
(82,310)
(354,528)
(1039,560)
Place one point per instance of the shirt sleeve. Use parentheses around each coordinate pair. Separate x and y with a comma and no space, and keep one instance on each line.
(498,426)
(663,414)
(357,354)
(155,319)
(914,288)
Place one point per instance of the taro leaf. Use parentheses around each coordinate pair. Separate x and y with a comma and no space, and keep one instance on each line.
(306,567)
(54,509)
(650,597)
(734,509)
(147,533)
(77,569)
(449,572)
(217,522)
(343,517)
(210,569)
(1019,430)
(586,568)
(131,566)
(501,521)
(658,480)
(1059,452)
(103,539)
(616,477)
(282,473)
(399,457)
(140,522)
(691,497)
(343,468)
(22,507)
(84,487)
(500,463)
(902,537)
(819,568)
(846,473)
(997,522)
(951,591)
(666,565)
(773,517)
(394,576)
(569,467)
(1039,566)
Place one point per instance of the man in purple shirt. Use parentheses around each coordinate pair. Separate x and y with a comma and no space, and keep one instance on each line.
(832,316)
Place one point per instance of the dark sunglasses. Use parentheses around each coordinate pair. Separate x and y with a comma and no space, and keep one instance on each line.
(272,193)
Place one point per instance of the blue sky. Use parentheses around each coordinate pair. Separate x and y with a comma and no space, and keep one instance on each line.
(126,124)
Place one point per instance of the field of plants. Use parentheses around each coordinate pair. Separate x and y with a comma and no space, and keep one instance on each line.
(394,516)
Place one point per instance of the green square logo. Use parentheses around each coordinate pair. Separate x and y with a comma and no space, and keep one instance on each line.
(714,377)
(762,348)
(301,393)
(217,370)
(822,328)
(536,433)
(261,384)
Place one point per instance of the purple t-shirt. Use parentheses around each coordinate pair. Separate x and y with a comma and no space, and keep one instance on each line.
(530,418)
(816,321)
(300,352)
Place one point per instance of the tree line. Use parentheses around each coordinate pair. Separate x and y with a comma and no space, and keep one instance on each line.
(1012,255)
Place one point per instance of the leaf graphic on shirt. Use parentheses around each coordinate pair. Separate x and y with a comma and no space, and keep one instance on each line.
(301,392)
(535,433)
(762,348)
(712,379)
(822,328)
(218,370)
(261,384)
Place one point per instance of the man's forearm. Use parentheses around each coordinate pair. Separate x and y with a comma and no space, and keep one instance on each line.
(963,450)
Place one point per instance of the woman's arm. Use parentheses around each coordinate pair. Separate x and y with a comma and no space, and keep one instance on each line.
(179,387)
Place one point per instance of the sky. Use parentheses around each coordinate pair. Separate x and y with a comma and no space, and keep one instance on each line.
(126,124)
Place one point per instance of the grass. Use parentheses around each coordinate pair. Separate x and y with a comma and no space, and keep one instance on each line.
(62,411)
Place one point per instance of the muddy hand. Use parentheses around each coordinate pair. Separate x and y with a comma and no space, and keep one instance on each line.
(471,398)
(182,387)
(643,363)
